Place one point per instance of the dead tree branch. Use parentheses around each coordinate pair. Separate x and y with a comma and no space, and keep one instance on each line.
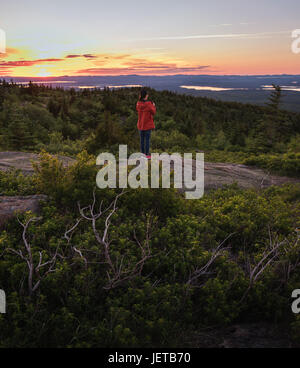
(268,258)
(118,271)
(34,270)
(204,271)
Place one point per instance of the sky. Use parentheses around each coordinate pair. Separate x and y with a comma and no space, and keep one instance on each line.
(158,37)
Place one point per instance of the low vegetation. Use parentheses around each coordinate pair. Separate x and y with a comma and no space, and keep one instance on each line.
(144,268)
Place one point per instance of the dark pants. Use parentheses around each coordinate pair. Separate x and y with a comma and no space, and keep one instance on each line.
(145,141)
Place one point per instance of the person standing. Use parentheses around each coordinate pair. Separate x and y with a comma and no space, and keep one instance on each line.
(146,112)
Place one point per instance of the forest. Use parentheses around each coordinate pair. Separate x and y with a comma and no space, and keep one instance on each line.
(145,268)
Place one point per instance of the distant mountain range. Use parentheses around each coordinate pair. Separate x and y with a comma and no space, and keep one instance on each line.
(246,89)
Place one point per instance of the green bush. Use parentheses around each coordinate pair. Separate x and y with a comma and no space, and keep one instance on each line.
(285,164)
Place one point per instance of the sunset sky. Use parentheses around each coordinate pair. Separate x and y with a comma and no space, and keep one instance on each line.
(158,37)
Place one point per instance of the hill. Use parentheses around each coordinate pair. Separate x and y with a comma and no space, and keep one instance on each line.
(65,121)
(84,267)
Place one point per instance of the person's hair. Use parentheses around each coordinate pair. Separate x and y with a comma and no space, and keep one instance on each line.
(143,94)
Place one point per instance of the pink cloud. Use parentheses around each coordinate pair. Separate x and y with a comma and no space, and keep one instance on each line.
(23,63)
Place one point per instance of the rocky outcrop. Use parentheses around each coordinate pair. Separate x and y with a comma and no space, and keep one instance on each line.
(22,161)
(216,174)
(219,174)
(10,206)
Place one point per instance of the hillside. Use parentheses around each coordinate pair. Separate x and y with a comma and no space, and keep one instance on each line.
(84,267)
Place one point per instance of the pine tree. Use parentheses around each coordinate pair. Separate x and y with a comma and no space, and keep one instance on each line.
(19,136)
(53,107)
(275,98)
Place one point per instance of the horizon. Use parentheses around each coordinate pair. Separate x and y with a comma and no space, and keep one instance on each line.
(152,75)
(157,39)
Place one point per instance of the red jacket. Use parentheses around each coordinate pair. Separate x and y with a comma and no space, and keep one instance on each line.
(146,111)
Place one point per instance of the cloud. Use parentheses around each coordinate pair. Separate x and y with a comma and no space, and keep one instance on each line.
(109,64)
(90,56)
(221,25)
(4,70)
(144,69)
(208,36)
(141,63)
(22,63)
(10,51)
(114,57)
(87,56)
(153,48)
(6,67)
(128,64)
(100,56)
(231,24)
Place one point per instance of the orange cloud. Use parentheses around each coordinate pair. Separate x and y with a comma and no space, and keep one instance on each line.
(102,64)
(99,56)
(10,51)
(27,62)
(87,56)
(4,71)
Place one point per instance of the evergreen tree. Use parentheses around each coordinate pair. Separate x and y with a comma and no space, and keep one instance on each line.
(19,136)
(275,98)
(53,107)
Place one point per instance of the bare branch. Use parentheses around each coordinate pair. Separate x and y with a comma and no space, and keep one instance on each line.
(120,269)
(70,231)
(270,254)
(33,270)
(203,271)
